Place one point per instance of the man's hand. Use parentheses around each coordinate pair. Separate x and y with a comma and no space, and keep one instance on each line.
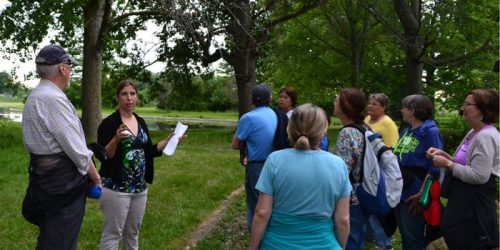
(93,174)
(236,142)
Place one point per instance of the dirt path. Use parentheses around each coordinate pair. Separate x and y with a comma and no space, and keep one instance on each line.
(207,226)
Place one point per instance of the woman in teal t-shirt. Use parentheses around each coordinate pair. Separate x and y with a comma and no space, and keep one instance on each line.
(305,189)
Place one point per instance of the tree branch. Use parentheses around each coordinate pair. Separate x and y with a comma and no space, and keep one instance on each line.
(437,62)
(407,16)
(324,41)
(105,24)
(379,17)
(305,8)
(118,19)
(218,54)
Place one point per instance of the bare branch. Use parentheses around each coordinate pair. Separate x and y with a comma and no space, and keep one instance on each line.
(151,63)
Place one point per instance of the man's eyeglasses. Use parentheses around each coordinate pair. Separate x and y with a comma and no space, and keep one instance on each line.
(68,62)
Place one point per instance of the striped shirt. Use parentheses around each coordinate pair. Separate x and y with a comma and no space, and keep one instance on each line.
(51,125)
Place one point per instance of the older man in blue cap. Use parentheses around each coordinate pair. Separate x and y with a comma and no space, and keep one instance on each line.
(257,129)
(60,163)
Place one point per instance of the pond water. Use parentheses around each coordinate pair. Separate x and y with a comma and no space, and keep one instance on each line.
(154,125)
(11,114)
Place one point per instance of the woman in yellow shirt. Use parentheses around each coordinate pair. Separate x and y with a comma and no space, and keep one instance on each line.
(383,124)
(379,121)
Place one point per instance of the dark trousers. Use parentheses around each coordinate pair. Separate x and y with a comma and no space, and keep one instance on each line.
(55,200)
(60,230)
(252,174)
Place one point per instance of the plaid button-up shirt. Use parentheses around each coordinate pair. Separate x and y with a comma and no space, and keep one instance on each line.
(51,125)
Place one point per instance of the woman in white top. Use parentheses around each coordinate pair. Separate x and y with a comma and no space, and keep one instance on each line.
(288,100)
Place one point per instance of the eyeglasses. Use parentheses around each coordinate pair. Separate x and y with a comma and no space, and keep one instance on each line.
(468,104)
(68,62)
(374,104)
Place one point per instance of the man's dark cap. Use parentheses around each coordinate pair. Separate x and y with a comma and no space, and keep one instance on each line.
(261,94)
(53,54)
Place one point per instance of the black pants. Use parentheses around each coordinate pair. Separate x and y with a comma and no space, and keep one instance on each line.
(55,200)
(60,230)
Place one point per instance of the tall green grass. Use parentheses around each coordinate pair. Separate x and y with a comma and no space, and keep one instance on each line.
(186,188)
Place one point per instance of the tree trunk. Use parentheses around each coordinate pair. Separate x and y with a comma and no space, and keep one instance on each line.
(413,75)
(92,64)
(355,65)
(244,70)
(244,58)
(430,71)
(410,18)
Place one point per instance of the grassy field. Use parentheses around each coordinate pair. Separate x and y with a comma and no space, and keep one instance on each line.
(11,102)
(187,187)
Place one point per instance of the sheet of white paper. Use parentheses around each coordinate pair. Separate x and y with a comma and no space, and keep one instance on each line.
(180,129)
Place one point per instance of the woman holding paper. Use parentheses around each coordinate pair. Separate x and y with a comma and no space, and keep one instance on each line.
(124,174)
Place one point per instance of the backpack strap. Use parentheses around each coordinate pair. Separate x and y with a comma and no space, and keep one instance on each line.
(382,149)
(363,130)
(280,140)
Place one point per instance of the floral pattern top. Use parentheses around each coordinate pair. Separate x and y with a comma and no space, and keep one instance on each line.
(349,147)
(133,176)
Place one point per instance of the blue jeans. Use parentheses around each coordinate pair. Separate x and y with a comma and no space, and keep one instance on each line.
(252,173)
(357,233)
(410,227)
(375,230)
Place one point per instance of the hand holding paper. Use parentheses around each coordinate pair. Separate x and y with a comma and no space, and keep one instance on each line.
(180,129)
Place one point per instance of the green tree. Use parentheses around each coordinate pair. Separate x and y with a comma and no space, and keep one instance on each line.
(334,46)
(5,82)
(458,51)
(11,87)
(245,24)
(101,24)
(432,33)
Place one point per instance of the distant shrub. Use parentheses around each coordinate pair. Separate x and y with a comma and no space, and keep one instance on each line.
(453,130)
(11,134)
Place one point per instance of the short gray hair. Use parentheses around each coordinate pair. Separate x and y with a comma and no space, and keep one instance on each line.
(381,98)
(46,71)
(421,105)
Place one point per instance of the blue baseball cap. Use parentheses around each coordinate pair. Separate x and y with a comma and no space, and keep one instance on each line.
(53,54)
(261,94)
